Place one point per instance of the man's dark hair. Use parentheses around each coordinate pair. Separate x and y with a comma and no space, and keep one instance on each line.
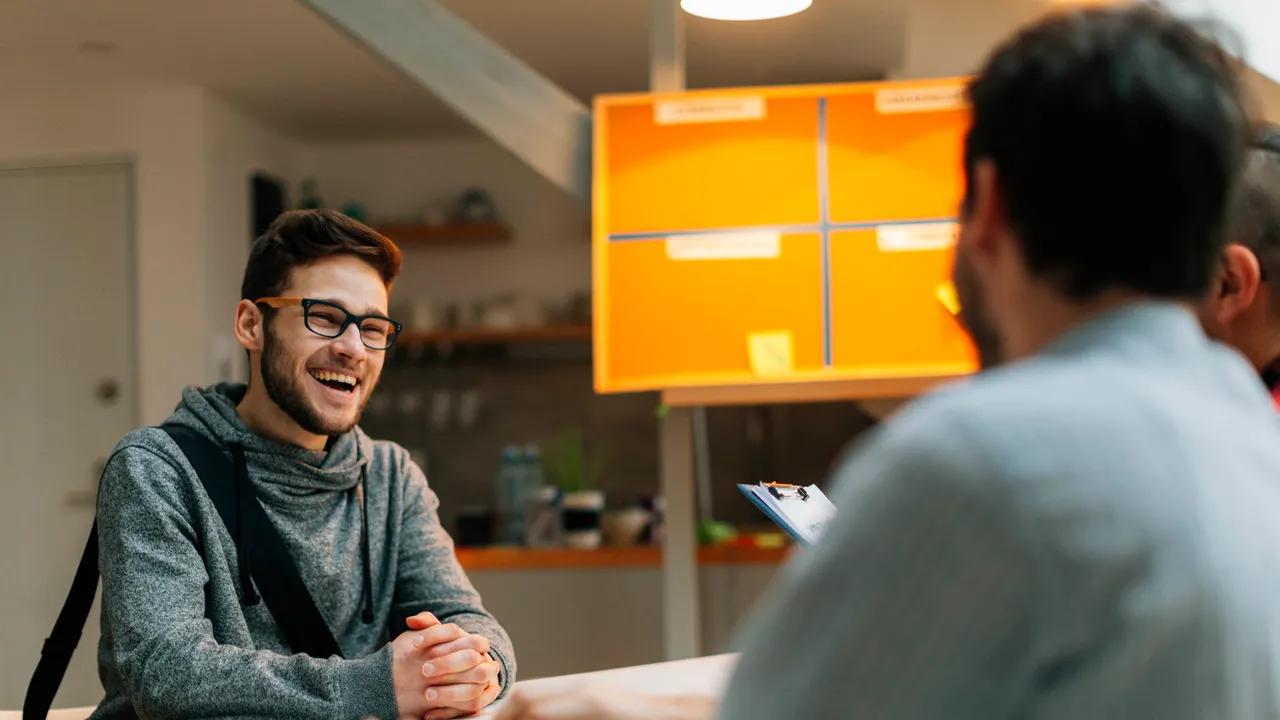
(1117,136)
(1255,219)
(300,237)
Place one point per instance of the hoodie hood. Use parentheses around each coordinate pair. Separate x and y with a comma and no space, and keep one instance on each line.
(294,470)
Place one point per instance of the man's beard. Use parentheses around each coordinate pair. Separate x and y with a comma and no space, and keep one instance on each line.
(282,387)
(973,311)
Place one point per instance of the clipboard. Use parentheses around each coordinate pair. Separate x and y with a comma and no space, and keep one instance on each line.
(802,511)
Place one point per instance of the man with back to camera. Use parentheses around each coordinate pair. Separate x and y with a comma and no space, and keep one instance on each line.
(1086,530)
(1240,309)
(184,631)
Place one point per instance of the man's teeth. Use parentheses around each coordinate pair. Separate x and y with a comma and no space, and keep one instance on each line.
(331,376)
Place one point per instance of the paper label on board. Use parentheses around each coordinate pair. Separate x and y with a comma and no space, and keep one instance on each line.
(708,110)
(770,353)
(946,294)
(933,98)
(917,236)
(753,245)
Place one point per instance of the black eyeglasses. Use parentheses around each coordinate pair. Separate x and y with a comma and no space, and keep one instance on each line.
(329,320)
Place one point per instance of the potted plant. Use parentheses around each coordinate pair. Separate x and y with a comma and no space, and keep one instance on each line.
(578,478)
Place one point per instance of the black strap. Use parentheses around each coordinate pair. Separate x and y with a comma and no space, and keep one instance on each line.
(277,578)
(61,643)
(271,566)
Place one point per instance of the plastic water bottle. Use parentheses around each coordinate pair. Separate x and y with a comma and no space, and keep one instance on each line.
(541,503)
(511,491)
(532,468)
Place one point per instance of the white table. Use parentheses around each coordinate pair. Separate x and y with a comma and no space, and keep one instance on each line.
(705,676)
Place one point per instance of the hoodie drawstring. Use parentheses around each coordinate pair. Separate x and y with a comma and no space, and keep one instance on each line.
(243,496)
(367,616)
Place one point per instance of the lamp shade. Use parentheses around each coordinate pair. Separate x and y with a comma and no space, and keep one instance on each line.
(743,9)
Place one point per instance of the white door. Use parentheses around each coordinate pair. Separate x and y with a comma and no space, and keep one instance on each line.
(68,390)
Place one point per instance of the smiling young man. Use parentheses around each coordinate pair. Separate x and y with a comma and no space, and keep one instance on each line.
(184,630)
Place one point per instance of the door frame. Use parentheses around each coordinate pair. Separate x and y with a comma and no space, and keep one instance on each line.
(129,164)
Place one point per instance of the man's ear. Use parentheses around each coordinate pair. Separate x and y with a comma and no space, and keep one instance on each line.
(249,328)
(1236,284)
(988,219)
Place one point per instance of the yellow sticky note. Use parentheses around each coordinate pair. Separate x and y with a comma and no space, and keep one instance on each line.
(946,294)
(770,353)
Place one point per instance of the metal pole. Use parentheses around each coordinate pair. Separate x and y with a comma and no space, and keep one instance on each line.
(681,621)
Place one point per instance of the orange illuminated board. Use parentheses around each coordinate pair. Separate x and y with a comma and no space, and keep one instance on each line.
(766,235)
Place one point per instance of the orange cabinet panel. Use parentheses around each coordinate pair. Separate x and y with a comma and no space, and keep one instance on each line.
(672,319)
(885,312)
(712,175)
(899,166)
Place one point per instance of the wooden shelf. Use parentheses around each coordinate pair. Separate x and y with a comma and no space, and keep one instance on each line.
(487,336)
(518,558)
(479,233)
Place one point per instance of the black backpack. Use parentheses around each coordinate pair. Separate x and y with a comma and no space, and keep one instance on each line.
(226,481)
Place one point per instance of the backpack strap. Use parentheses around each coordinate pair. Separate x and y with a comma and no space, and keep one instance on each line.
(61,643)
(227,485)
(226,481)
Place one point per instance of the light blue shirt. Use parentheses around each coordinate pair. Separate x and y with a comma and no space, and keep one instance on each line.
(1091,533)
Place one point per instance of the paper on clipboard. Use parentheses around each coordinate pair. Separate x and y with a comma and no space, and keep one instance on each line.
(803,513)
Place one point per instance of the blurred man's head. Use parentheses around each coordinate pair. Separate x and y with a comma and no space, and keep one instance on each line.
(1104,148)
(1242,307)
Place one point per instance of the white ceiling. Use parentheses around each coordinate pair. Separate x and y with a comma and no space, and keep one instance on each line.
(283,63)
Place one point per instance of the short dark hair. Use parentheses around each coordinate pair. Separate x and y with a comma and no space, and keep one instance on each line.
(1118,136)
(1255,218)
(300,237)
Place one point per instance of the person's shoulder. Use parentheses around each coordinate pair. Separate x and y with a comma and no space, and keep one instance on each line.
(390,455)
(149,442)
(973,421)
(146,467)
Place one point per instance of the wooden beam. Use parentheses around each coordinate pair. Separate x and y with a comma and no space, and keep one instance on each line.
(523,111)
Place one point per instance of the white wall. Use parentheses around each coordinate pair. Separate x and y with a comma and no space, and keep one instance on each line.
(161,132)
(236,145)
(192,154)
(549,258)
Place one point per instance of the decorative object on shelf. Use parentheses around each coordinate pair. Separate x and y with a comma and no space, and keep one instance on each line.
(543,522)
(716,532)
(356,211)
(509,311)
(471,234)
(475,527)
(434,215)
(475,206)
(623,528)
(419,315)
(578,477)
(582,511)
(509,488)
(578,310)
(310,199)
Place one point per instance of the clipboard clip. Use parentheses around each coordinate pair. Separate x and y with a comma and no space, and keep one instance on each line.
(777,490)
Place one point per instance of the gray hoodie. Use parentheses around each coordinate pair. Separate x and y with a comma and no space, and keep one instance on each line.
(177,640)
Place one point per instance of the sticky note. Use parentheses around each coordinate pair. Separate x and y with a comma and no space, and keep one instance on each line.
(770,353)
(946,294)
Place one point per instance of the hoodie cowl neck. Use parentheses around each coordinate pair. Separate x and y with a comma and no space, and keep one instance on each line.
(212,411)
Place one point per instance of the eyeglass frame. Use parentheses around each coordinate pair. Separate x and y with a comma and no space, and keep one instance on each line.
(350,319)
